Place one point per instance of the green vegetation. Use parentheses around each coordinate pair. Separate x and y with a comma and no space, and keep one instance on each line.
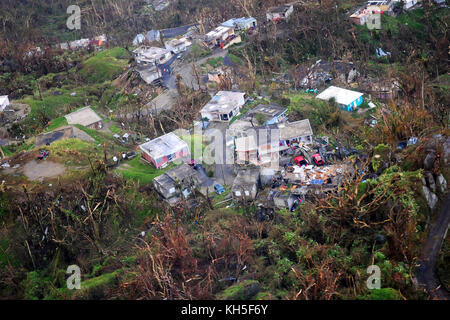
(56,123)
(105,65)
(137,170)
(215,62)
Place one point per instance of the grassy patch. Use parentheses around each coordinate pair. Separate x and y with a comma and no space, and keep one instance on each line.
(137,170)
(74,151)
(56,123)
(215,62)
(105,65)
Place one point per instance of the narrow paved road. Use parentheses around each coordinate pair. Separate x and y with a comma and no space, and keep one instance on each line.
(427,276)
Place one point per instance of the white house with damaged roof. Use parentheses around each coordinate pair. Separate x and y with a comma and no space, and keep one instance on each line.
(280,13)
(177,45)
(261,146)
(165,149)
(346,99)
(4,102)
(85,117)
(152,56)
(224,106)
(295,132)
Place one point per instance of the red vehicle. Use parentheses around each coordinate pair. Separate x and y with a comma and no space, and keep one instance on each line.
(318,159)
(300,161)
(43,155)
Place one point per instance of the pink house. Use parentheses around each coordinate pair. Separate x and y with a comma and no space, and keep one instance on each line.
(165,149)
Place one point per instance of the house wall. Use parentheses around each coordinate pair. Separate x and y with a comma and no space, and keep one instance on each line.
(98,125)
(4,104)
(352,106)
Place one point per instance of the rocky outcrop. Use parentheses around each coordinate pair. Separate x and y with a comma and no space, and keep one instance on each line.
(430,197)
(428,163)
(431,182)
(441,184)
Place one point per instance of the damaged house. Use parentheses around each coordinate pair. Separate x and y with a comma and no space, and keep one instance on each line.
(348,100)
(177,45)
(245,185)
(224,106)
(261,146)
(264,114)
(366,13)
(323,72)
(280,13)
(151,56)
(165,149)
(177,184)
(295,132)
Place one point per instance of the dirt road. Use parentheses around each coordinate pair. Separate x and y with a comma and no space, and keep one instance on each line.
(427,276)
(42,169)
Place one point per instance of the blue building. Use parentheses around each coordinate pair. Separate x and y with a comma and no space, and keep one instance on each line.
(348,100)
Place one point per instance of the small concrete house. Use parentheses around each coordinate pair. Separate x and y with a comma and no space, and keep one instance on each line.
(177,184)
(165,149)
(223,106)
(176,45)
(85,117)
(280,13)
(4,102)
(149,74)
(151,56)
(295,132)
(346,99)
(364,14)
(245,185)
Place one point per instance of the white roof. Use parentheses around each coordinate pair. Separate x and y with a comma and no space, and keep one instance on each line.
(3,99)
(163,146)
(224,101)
(151,52)
(84,116)
(342,96)
(218,32)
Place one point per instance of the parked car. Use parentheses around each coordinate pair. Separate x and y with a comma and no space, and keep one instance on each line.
(318,159)
(300,161)
(219,189)
(43,154)
(131,155)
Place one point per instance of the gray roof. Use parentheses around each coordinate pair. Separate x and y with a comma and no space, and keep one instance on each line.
(84,116)
(182,173)
(289,130)
(246,177)
(268,111)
